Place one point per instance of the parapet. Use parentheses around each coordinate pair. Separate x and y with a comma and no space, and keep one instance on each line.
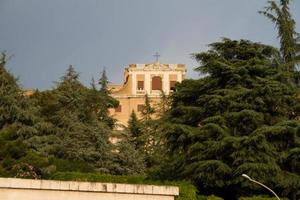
(15,188)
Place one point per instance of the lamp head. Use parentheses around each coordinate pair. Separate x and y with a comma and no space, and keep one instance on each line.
(246,176)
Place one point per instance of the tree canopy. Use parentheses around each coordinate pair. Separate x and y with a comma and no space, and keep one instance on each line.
(281,16)
(240,118)
(66,128)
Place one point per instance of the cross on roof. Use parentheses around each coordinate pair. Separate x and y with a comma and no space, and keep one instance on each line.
(156,55)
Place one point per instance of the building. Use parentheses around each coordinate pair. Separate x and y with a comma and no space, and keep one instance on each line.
(142,79)
(28,92)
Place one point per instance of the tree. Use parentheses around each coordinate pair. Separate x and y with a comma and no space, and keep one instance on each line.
(103,82)
(99,103)
(126,159)
(163,105)
(17,125)
(107,101)
(148,110)
(281,16)
(223,125)
(63,129)
(76,132)
(127,154)
(135,130)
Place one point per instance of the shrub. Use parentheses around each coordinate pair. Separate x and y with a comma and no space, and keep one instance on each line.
(71,166)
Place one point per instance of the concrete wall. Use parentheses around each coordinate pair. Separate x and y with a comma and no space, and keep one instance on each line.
(29,189)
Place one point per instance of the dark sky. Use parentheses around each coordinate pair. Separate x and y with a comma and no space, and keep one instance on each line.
(46,36)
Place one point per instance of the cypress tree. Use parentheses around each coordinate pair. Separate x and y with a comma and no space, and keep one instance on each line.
(103,82)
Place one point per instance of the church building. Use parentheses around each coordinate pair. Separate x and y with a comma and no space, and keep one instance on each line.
(142,79)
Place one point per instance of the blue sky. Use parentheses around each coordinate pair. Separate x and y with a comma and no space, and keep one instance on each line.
(46,36)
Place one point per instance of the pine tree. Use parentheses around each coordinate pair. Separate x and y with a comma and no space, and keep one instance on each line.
(135,130)
(148,110)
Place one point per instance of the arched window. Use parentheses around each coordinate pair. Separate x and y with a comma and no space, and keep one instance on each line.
(156,83)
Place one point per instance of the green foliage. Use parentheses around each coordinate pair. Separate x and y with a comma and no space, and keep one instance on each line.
(280,15)
(163,105)
(63,129)
(134,126)
(102,105)
(239,118)
(17,120)
(126,159)
(70,166)
(73,129)
(148,110)
(103,82)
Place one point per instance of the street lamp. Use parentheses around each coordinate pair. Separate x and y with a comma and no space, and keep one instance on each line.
(254,181)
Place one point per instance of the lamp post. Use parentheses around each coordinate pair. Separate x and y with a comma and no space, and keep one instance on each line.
(254,181)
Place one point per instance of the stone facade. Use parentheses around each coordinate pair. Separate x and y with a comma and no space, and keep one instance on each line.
(142,79)
(29,189)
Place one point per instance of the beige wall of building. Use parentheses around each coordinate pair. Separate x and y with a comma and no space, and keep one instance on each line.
(142,79)
(29,189)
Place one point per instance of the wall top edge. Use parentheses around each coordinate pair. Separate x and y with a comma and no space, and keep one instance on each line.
(18,183)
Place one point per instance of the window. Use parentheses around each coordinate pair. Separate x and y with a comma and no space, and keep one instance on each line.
(118,109)
(156,83)
(140,107)
(140,85)
(172,85)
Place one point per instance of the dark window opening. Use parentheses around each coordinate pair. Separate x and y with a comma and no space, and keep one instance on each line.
(156,83)
(140,107)
(118,109)
(140,85)
(172,85)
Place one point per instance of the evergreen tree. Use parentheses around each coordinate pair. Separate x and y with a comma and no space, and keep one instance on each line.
(240,118)
(126,159)
(148,110)
(107,102)
(71,110)
(163,105)
(17,124)
(281,16)
(135,130)
(103,82)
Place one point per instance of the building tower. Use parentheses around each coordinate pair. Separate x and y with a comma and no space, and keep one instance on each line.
(142,79)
